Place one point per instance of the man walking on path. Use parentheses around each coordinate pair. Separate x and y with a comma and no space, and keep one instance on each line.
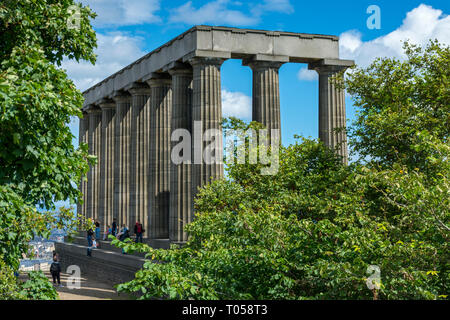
(138,230)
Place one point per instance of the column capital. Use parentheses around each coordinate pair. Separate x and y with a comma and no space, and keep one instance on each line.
(199,61)
(257,65)
(138,89)
(329,66)
(178,68)
(93,109)
(106,104)
(121,97)
(158,80)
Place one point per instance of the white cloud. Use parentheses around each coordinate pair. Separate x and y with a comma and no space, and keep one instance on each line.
(212,12)
(236,104)
(124,12)
(115,51)
(307,75)
(222,12)
(420,25)
(281,6)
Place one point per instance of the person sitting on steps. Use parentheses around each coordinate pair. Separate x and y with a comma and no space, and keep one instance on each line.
(123,234)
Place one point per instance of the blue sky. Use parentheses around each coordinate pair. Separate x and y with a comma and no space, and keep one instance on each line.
(128,29)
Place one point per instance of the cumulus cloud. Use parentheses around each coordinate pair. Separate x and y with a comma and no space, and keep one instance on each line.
(227,12)
(281,6)
(420,25)
(307,75)
(124,12)
(115,51)
(236,104)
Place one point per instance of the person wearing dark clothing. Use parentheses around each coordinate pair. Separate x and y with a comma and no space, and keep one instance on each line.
(55,270)
(114,228)
(138,231)
(124,233)
(90,235)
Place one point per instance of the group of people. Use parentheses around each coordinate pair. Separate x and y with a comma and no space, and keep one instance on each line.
(113,230)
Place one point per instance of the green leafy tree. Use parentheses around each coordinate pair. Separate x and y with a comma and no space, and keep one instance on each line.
(38,163)
(316,228)
(399,102)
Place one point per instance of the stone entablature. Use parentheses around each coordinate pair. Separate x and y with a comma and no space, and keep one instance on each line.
(220,42)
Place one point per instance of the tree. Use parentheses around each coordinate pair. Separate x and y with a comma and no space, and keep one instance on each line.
(399,103)
(318,229)
(38,163)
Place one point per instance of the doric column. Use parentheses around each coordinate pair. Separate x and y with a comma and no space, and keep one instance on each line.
(106,199)
(332,117)
(95,133)
(140,152)
(207,122)
(83,139)
(266,94)
(122,158)
(180,176)
(159,189)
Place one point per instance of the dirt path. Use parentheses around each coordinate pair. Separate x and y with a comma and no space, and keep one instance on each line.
(90,290)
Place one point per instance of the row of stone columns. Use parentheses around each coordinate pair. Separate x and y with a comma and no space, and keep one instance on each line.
(135,179)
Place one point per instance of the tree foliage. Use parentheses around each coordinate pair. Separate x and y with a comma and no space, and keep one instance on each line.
(316,228)
(38,163)
(401,103)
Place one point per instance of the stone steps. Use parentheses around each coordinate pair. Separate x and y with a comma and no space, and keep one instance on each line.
(104,245)
(154,243)
(105,265)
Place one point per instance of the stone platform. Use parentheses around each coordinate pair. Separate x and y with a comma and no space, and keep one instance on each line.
(106,263)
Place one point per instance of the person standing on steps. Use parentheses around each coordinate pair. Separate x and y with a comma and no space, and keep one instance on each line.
(97,229)
(90,235)
(114,227)
(55,270)
(138,231)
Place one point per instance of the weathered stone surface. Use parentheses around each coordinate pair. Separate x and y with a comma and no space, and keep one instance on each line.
(181,174)
(266,94)
(221,42)
(104,265)
(122,167)
(106,198)
(207,112)
(159,189)
(93,188)
(332,115)
(140,154)
(83,138)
